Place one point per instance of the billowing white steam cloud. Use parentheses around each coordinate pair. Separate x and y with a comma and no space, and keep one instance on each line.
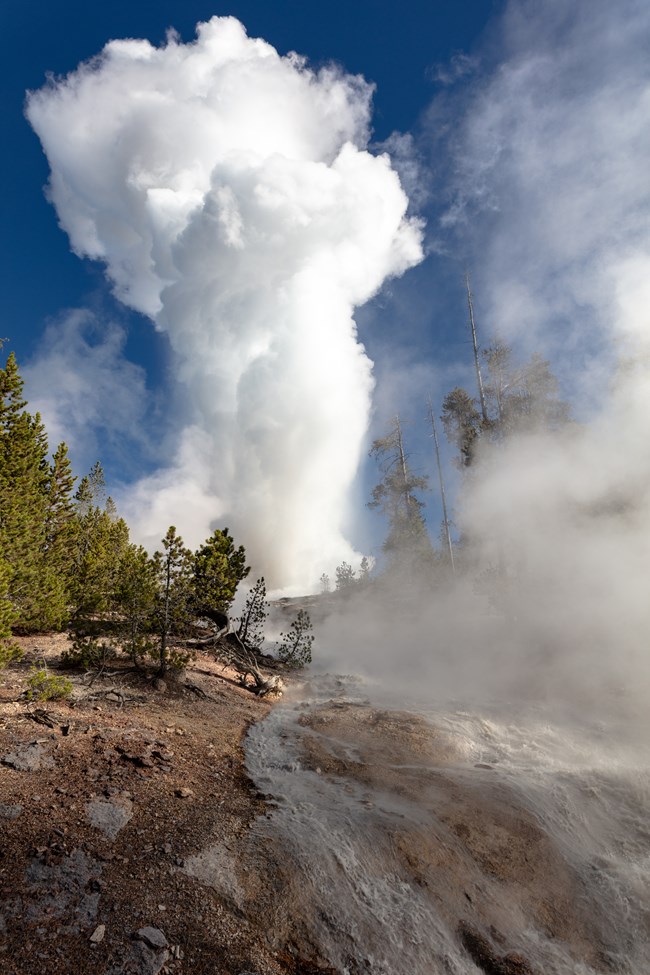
(550,165)
(230,194)
(557,144)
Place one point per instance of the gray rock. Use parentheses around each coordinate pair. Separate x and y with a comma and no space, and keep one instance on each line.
(65,893)
(110,816)
(153,937)
(216,867)
(140,959)
(29,758)
(10,812)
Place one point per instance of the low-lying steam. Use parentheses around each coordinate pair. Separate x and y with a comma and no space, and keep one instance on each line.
(230,194)
(549,167)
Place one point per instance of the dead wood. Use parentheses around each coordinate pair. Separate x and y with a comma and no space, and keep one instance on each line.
(195,689)
(41,716)
(228,647)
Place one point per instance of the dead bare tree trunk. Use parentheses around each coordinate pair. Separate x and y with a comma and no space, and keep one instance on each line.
(481,393)
(442,489)
(477,364)
(227,646)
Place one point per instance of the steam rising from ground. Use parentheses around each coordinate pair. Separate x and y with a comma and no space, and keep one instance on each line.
(229,193)
(568,261)
(552,189)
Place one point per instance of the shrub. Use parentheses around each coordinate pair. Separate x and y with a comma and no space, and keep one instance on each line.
(44,686)
(8,653)
(175,658)
(86,652)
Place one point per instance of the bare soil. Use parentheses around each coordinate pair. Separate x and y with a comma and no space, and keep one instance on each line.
(127,809)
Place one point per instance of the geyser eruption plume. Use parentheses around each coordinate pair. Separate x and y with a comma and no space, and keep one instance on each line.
(230,194)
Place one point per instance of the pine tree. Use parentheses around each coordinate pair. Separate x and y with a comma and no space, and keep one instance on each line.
(24,471)
(345,576)
(101,541)
(172,606)
(256,611)
(219,567)
(462,423)
(59,539)
(517,399)
(11,389)
(364,571)
(295,647)
(136,601)
(8,650)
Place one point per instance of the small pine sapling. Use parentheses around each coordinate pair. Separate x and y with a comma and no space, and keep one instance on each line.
(295,646)
(43,686)
(345,576)
(86,652)
(256,610)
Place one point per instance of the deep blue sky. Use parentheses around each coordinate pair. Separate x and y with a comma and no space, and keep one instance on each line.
(397,46)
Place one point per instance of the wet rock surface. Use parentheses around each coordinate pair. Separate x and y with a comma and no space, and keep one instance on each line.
(417,837)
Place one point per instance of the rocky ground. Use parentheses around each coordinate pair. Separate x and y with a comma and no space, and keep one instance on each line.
(126,845)
(124,817)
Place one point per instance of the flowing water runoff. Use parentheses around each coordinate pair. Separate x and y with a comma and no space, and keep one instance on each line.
(426,840)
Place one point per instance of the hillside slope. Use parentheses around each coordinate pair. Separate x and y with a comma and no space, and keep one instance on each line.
(123,819)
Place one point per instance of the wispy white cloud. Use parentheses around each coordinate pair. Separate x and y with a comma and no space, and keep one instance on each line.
(547,169)
(87,392)
(458,67)
(410,165)
(550,169)
(547,163)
